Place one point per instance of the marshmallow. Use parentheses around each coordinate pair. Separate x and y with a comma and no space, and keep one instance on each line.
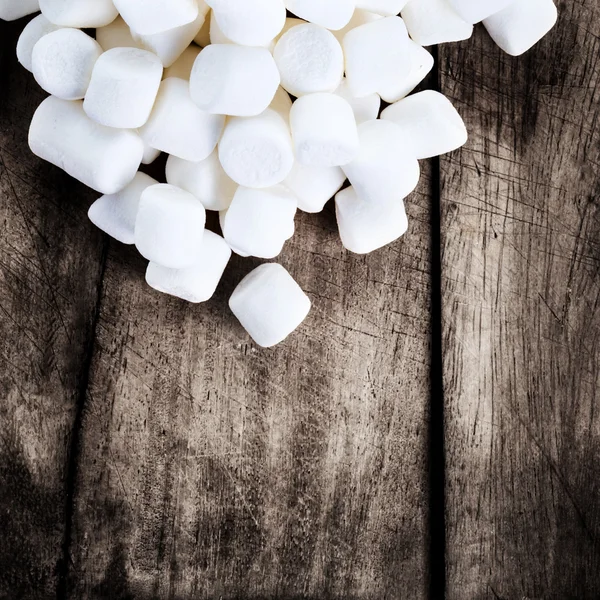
(182,67)
(198,282)
(123,88)
(269,304)
(103,158)
(431,22)
(177,126)
(62,62)
(323,130)
(115,214)
(234,80)
(249,22)
(79,13)
(314,186)
(169,226)
(257,151)
(474,11)
(376,55)
(309,59)
(34,31)
(11,10)
(222,219)
(282,104)
(147,17)
(521,25)
(386,168)
(150,154)
(387,8)
(216,35)
(332,14)
(360,17)
(116,35)
(364,226)
(429,123)
(259,222)
(206,180)
(365,108)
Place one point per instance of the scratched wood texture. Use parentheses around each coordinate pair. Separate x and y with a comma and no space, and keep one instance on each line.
(521,316)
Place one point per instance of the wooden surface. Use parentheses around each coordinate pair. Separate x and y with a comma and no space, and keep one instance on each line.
(149,450)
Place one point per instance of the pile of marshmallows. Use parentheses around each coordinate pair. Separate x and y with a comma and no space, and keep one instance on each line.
(261,114)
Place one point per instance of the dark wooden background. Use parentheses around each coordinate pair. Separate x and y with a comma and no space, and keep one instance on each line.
(432,429)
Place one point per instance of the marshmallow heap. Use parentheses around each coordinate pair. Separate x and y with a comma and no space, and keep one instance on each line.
(261,114)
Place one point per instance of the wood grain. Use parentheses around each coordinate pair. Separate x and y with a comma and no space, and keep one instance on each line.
(521,319)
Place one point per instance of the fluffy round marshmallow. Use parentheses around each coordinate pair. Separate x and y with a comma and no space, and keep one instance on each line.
(123,88)
(331,14)
(474,11)
(269,304)
(103,158)
(387,8)
(62,62)
(206,180)
(34,31)
(234,80)
(309,59)
(11,10)
(432,22)
(198,282)
(365,108)
(376,55)
(314,186)
(116,35)
(169,226)
(79,13)
(182,67)
(257,151)
(323,130)
(178,126)
(147,17)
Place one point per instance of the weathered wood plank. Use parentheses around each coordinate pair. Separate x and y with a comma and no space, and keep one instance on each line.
(521,319)
(50,264)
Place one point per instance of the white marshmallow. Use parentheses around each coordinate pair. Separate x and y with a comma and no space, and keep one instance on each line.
(182,67)
(386,168)
(387,8)
(251,22)
(282,104)
(169,226)
(360,17)
(79,13)
(123,88)
(259,222)
(314,186)
(309,59)
(234,80)
(103,158)
(376,55)
(177,126)
(429,123)
(521,25)
(115,214)
(116,35)
(257,151)
(269,304)
(62,62)
(199,282)
(150,154)
(365,108)
(474,11)
(34,31)
(364,226)
(206,180)
(332,14)
(147,17)
(323,130)
(431,22)
(11,10)
(216,35)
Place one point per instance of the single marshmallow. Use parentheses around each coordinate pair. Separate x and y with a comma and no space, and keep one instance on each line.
(521,25)
(431,22)
(103,158)
(429,123)
(177,126)
(198,282)
(314,186)
(251,22)
(182,67)
(147,17)
(365,226)
(360,17)
(169,226)
(282,104)
(123,88)
(332,14)
(474,11)
(115,214)
(79,13)
(62,62)
(11,10)
(269,304)
(206,180)
(376,55)
(234,80)
(309,59)
(365,108)
(116,35)
(34,31)
(387,8)
(323,130)
(216,35)
(386,168)
(259,222)
(150,154)
(257,151)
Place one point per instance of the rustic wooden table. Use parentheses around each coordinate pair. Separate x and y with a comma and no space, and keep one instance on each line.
(431,429)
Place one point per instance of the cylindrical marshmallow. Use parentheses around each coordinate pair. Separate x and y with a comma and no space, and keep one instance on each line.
(11,10)
(147,17)
(34,31)
(314,186)
(79,13)
(432,22)
(332,14)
